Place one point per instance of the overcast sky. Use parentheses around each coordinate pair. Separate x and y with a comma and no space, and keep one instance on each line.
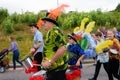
(35,6)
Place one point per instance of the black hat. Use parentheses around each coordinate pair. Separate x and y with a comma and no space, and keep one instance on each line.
(51,20)
(33,24)
(72,37)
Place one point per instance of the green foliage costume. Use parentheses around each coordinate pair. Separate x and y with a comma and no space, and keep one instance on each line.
(54,40)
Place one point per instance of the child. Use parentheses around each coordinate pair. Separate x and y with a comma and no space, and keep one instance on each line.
(102,58)
(15,50)
(114,58)
(76,54)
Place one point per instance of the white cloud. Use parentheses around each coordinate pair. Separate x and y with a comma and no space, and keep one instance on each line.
(37,5)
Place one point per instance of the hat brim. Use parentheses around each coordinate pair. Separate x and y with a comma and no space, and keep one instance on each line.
(34,24)
(69,35)
(51,20)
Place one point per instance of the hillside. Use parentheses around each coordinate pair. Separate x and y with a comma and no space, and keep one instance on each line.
(24,38)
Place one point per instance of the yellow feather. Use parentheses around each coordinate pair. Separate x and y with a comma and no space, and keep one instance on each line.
(76,29)
(89,27)
(83,23)
(103,45)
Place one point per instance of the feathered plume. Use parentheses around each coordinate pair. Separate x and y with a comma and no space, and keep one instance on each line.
(103,45)
(83,24)
(54,13)
(76,29)
(81,28)
(39,23)
(89,27)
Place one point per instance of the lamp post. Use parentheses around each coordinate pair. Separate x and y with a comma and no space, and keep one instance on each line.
(57,3)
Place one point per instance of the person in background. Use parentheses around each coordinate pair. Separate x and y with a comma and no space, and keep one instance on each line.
(14,48)
(38,45)
(98,30)
(104,31)
(113,56)
(94,38)
(102,58)
(116,33)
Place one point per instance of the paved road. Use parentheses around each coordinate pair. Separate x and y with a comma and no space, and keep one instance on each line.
(87,72)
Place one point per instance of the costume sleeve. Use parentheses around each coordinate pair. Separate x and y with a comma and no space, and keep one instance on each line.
(116,44)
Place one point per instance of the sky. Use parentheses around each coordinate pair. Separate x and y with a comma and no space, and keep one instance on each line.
(21,6)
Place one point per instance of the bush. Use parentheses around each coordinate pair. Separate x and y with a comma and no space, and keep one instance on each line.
(19,38)
(7,26)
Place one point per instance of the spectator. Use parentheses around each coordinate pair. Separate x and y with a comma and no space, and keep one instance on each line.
(117,33)
(15,50)
(104,31)
(94,38)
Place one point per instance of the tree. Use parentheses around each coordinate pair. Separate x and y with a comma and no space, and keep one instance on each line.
(118,8)
(3,14)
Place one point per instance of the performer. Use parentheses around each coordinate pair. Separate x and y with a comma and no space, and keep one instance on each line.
(114,56)
(55,60)
(76,54)
(37,47)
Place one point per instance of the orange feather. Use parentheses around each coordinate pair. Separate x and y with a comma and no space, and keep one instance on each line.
(39,23)
(54,13)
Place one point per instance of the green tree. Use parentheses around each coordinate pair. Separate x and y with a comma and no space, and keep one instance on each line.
(7,26)
(3,14)
(118,8)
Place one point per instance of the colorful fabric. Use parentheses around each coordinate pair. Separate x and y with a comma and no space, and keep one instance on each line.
(54,40)
(102,57)
(116,44)
(105,44)
(90,53)
(37,78)
(83,43)
(90,41)
(75,51)
(73,75)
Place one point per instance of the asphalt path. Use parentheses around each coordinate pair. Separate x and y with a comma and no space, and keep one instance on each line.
(19,74)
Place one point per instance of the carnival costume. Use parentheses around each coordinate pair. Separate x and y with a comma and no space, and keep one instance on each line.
(85,39)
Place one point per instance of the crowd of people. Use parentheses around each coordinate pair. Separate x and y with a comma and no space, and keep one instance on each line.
(56,52)
(56,55)
(109,57)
